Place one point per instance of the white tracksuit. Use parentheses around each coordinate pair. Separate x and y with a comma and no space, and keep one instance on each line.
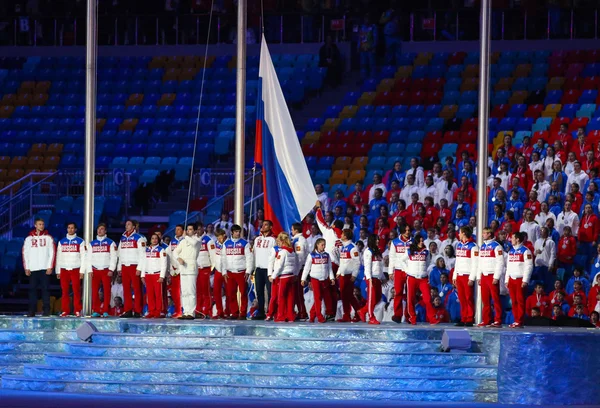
(187,250)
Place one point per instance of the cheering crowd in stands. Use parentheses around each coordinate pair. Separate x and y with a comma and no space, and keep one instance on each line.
(550,194)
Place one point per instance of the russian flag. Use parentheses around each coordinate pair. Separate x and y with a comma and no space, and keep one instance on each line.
(288,190)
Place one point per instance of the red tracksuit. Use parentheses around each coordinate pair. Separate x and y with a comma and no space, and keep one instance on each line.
(70,278)
(322,292)
(203,299)
(132,282)
(237,282)
(100,277)
(274,301)
(175,289)
(218,285)
(154,293)
(286,299)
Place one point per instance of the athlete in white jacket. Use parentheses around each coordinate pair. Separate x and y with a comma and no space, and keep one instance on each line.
(347,273)
(237,260)
(300,245)
(174,278)
(318,266)
(70,268)
(491,269)
(397,270)
(465,274)
(205,264)
(131,251)
(186,254)
(518,273)
(261,251)
(417,262)
(373,261)
(154,270)
(284,269)
(220,278)
(38,262)
(102,262)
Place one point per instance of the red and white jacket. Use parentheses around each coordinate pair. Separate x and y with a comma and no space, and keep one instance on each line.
(206,246)
(154,262)
(102,254)
(71,254)
(286,263)
(467,256)
(519,264)
(318,265)
(398,249)
(132,249)
(373,265)
(38,251)
(491,259)
(332,236)
(349,260)
(417,263)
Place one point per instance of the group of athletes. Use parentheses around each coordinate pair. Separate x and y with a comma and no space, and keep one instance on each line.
(282,266)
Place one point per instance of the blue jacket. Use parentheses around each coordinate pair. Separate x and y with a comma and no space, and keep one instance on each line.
(586,285)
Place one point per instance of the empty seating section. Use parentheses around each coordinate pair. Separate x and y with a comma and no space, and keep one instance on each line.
(427,107)
(147,110)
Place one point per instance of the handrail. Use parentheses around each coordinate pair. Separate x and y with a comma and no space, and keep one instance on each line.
(7,210)
(27,176)
(193,215)
(456,24)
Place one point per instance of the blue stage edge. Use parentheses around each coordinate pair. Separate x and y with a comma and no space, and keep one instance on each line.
(297,362)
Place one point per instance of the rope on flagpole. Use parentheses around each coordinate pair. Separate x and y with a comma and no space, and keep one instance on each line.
(187,206)
(251,199)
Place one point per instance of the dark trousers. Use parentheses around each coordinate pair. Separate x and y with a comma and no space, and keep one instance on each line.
(260,281)
(39,278)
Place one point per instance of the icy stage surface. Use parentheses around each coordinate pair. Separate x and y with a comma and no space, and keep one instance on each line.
(296,362)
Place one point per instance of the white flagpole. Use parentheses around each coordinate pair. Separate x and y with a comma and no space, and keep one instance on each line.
(90,143)
(240,115)
(482,142)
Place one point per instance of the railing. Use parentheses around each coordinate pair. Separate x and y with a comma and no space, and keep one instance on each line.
(183,29)
(191,29)
(20,200)
(224,202)
(116,182)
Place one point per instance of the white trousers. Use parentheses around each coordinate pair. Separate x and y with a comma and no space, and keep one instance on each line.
(188,293)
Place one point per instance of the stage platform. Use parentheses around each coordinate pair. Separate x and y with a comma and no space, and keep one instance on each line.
(226,363)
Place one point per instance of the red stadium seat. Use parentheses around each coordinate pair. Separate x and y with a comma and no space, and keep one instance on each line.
(437,84)
(419,84)
(381,137)
(433,137)
(577,123)
(452,137)
(364,136)
(417,98)
(534,111)
(402,84)
(592,82)
(573,82)
(434,97)
(470,136)
(469,124)
(570,96)
(541,134)
(499,111)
